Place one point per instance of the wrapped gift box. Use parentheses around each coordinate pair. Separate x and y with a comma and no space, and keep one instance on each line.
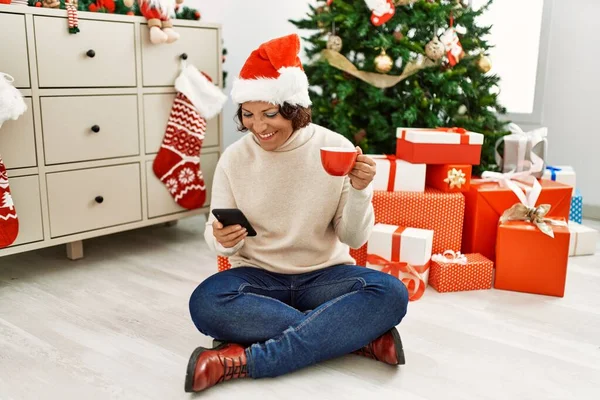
(223,263)
(523,149)
(529,261)
(449,177)
(475,272)
(487,201)
(438,146)
(394,174)
(576,211)
(583,240)
(563,174)
(440,212)
(403,253)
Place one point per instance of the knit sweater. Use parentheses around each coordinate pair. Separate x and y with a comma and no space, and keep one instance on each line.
(305,219)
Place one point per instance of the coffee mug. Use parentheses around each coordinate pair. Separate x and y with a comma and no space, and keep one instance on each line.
(338,161)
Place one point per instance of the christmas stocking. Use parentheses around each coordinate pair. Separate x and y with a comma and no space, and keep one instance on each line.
(9,224)
(177,163)
(383,11)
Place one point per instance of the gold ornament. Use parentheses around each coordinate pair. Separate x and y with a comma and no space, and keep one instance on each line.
(484,64)
(404,2)
(383,62)
(456,178)
(334,43)
(435,49)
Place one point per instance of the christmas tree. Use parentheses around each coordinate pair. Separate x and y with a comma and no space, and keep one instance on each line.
(381,64)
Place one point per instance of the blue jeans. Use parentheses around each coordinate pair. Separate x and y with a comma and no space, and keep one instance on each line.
(293,321)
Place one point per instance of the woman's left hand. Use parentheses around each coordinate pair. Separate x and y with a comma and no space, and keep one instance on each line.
(363,172)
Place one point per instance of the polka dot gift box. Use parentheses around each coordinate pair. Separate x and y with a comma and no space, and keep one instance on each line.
(576,212)
(455,272)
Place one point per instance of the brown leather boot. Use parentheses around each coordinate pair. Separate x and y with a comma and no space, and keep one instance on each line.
(207,367)
(386,348)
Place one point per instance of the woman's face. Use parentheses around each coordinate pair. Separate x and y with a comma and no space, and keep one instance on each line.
(266,123)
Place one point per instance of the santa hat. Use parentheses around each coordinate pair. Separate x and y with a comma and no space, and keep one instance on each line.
(273,73)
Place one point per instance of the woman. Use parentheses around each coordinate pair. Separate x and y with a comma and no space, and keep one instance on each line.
(293,297)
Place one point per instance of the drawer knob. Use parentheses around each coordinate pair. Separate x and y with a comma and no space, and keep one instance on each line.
(184,56)
(91,53)
(95,129)
(99,199)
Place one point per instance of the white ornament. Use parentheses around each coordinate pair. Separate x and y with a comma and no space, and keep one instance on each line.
(462,110)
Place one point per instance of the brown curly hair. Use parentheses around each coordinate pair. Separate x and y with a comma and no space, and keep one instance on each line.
(300,116)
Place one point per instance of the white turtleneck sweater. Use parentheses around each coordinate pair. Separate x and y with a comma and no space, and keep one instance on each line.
(305,219)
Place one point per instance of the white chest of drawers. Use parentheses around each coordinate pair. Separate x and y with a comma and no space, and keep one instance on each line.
(80,159)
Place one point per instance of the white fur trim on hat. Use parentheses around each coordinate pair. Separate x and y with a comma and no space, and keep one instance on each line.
(290,87)
(204,95)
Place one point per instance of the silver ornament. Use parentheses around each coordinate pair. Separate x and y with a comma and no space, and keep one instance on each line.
(435,49)
(334,43)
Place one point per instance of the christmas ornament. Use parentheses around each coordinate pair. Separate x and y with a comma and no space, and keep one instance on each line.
(383,62)
(382,81)
(360,136)
(9,224)
(398,36)
(329,2)
(454,50)
(334,43)
(72,17)
(456,178)
(158,13)
(484,64)
(383,11)
(177,163)
(462,110)
(434,49)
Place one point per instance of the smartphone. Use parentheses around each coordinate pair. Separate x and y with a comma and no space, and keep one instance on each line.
(233,216)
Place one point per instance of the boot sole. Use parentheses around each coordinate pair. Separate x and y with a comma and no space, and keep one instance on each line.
(191,367)
(399,349)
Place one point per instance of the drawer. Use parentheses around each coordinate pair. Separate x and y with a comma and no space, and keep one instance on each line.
(89,199)
(160,201)
(102,54)
(82,128)
(162,63)
(25,191)
(17,65)
(17,140)
(157,108)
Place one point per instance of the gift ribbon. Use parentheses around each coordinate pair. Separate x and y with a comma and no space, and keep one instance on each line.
(523,138)
(450,257)
(464,137)
(392,175)
(414,283)
(456,178)
(553,171)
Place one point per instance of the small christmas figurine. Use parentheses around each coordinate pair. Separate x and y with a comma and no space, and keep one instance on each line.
(383,11)
(51,3)
(158,13)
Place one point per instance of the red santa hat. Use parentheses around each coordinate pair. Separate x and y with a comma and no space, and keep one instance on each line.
(273,73)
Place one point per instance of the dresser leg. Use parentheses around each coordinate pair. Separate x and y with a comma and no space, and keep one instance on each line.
(75,250)
(171,223)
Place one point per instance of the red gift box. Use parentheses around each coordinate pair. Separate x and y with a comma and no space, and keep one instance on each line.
(530,261)
(440,212)
(438,146)
(460,272)
(449,177)
(487,201)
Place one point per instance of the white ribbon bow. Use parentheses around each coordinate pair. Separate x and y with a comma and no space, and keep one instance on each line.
(536,164)
(450,257)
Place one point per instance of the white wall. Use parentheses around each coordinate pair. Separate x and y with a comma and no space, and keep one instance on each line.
(246,24)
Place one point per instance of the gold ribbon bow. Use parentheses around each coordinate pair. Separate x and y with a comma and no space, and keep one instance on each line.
(535,215)
(456,178)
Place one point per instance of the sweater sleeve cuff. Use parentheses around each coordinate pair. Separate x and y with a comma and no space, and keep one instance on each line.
(228,252)
(360,197)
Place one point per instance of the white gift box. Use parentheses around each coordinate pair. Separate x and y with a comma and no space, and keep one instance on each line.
(563,174)
(523,151)
(398,244)
(583,240)
(406,177)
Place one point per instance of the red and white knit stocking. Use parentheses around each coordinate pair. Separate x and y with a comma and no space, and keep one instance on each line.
(177,163)
(9,224)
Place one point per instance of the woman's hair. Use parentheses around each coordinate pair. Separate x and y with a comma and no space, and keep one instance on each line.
(300,116)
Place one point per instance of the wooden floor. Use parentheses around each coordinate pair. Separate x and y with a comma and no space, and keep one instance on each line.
(115,325)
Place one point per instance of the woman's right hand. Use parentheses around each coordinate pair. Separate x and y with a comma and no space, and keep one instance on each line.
(228,236)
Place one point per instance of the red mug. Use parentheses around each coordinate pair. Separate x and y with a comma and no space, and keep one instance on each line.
(338,161)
